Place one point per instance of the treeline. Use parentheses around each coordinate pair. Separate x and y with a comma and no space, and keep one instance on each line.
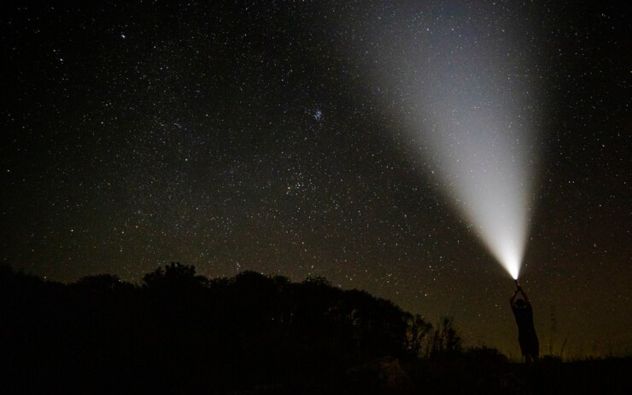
(183,331)
(180,333)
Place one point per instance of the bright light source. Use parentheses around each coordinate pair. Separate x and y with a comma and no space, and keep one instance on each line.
(469,97)
(488,182)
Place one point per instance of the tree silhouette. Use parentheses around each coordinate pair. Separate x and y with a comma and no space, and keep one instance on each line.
(418,330)
(174,276)
(445,338)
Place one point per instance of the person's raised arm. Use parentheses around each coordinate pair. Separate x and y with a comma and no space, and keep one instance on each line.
(513,298)
(524,295)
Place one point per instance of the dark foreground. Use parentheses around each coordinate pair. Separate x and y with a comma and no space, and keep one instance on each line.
(181,333)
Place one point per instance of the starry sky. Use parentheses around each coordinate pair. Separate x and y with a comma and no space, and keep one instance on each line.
(255,136)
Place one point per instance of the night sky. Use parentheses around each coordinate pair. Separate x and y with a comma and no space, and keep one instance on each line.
(255,136)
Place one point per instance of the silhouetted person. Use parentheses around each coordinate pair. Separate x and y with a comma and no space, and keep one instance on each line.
(527,337)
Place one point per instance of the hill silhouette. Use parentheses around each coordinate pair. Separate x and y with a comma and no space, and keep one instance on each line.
(179,332)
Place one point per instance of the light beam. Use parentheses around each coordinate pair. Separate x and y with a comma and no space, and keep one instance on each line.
(469,93)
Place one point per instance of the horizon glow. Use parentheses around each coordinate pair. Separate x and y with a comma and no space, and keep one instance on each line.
(469,95)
